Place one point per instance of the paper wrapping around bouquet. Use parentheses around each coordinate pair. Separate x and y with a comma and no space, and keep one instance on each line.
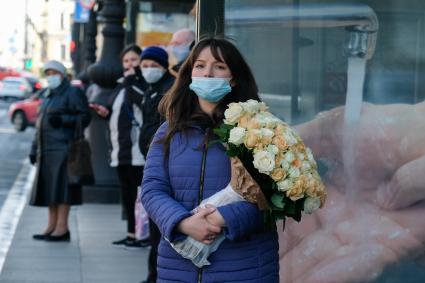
(243,183)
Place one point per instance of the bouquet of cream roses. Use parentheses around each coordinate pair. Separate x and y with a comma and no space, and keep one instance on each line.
(271,167)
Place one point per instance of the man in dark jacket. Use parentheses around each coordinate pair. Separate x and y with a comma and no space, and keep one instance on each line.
(154,67)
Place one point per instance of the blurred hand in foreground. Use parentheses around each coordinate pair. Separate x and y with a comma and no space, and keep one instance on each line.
(383,152)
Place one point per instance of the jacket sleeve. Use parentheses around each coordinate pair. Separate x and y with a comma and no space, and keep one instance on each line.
(242,219)
(78,109)
(156,193)
(135,88)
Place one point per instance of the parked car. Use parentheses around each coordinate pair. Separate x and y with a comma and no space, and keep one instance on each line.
(15,87)
(8,72)
(24,113)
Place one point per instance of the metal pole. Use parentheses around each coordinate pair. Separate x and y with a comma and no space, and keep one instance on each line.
(104,74)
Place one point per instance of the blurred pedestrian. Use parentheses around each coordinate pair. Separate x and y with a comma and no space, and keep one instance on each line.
(183,168)
(62,110)
(179,47)
(154,67)
(125,120)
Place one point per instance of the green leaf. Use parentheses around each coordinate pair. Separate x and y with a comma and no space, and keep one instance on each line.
(290,208)
(278,200)
(278,215)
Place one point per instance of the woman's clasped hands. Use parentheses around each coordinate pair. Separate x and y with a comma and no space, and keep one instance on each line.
(204,226)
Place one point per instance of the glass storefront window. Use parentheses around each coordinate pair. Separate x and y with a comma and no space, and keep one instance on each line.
(308,64)
(157,20)
(348,75)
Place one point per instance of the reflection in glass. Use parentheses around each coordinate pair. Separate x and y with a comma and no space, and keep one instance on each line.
(372,160)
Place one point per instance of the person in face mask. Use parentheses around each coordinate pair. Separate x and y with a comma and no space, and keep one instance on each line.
(183,167)
(179,47)
(62,110)
(154,66)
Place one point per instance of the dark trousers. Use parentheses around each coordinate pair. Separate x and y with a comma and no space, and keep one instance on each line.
(130,178)
(155,237)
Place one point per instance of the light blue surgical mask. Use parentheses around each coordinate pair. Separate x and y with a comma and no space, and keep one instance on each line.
(180,52)
(211,89)
(153,74)
(53,81)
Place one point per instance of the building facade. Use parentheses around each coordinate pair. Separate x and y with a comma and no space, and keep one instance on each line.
(48,27)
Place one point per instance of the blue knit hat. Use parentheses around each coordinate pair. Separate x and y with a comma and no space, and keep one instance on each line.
(157,54)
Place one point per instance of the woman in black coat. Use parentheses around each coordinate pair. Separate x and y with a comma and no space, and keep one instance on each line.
(63,107)
(125,119)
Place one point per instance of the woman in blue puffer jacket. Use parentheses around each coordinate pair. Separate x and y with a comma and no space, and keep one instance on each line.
(182,169)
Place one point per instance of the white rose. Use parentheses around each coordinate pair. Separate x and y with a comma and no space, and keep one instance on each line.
(301,156)
(264,161)
(290,137)
(263,106)
(271,122)
(237,135)
(294,172)
(266,133)
(284,185)
(233,113)
(305,166)
(285,165)
(289,157)
(261,119)
(310,156)
(311,204)
(272,149)
(251,106)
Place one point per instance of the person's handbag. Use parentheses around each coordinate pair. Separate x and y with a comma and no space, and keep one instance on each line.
(80,170)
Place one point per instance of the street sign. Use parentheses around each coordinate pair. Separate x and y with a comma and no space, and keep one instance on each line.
(82,12)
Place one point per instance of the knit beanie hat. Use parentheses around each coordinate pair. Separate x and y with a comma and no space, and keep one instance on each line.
(157,54)
(55,65)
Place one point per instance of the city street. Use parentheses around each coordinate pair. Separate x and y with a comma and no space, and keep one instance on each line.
(89,257)
(14,148)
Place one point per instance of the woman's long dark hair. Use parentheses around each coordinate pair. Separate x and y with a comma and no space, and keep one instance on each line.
(132,47)
(180,105)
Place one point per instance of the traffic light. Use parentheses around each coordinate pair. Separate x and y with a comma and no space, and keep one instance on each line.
(28,64)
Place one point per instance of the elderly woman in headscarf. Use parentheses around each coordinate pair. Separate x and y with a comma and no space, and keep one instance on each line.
(63,109)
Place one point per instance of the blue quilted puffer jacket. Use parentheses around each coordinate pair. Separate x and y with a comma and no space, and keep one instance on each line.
(170,190)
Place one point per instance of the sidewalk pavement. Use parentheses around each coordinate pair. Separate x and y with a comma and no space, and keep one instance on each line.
(88,258)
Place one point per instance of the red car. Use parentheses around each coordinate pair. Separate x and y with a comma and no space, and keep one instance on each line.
(24,113)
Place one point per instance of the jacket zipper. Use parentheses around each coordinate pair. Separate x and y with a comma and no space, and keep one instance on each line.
(201,186)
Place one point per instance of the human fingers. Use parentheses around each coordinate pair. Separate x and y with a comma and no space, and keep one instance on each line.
(203,212)
(129,72)
(349,263)
(305,255)
(216,218)
(208,228)
(93,106)
(102,111)
(323,134)
(406,187)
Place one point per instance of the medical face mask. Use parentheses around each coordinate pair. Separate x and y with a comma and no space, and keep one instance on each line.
(211,89)
(152,75)
(53,81)
(180,52)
